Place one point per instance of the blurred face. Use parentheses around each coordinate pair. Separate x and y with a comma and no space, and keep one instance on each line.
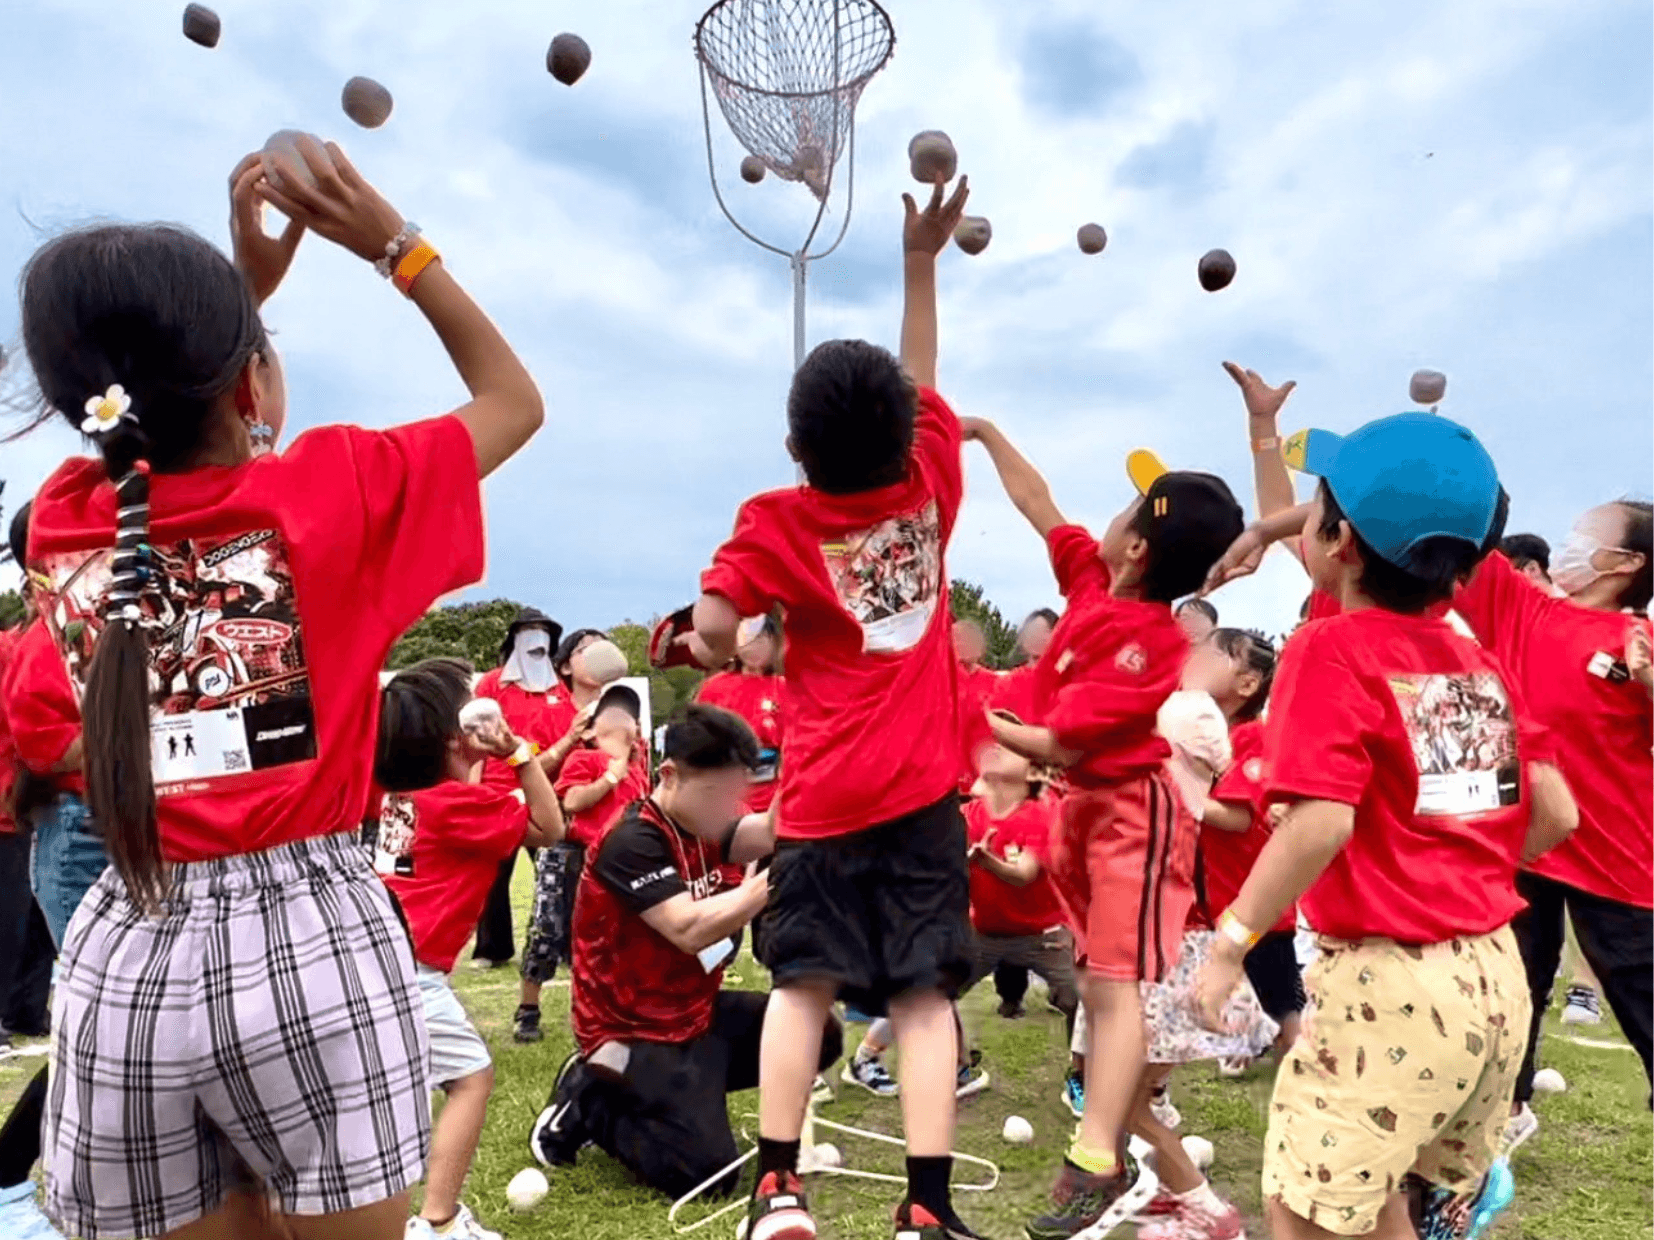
(615,731)
(1210,670)
(1035,636)
(703,802)
(1535,574)
(968,643)
(1593,550)
(756,651)
(1001,765)
(1123,548)
(1196,624)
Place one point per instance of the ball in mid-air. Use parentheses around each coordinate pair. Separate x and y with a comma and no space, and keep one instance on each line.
(1217,268)
(201,25)
(973,234)
(1091,238)
(568,58)
(603,662)
(752,170)
(366,102)
(931,156)
(1427,387)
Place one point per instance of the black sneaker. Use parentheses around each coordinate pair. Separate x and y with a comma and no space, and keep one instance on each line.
(1081,1199)
(527,1025)
(1011,1010)
(779,1210)
(558,1134)
(914,1222)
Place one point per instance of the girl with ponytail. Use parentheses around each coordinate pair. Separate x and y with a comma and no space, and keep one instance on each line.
(236,1026)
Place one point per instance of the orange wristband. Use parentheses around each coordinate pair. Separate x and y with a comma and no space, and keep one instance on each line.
(412,265)
(1269,444)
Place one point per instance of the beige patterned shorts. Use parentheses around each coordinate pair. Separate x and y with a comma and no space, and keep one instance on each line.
(1407,1062)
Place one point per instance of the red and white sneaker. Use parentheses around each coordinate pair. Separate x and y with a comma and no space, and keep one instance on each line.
(779,1211)
(1160,1205)
(1196,1221)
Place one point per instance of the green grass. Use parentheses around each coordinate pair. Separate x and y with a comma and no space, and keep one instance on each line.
(1586,1176)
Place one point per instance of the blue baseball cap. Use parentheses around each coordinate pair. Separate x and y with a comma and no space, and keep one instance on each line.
(1403,479)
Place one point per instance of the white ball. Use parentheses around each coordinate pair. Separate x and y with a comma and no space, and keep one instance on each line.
(1018,1131)
(527,1189)
(1548,1081)
(827,1155)
(1199,1150)
(604,662)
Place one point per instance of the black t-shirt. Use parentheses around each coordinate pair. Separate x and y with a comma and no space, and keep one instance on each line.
(638,864)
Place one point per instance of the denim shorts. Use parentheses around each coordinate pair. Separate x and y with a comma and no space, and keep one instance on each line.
(68,858)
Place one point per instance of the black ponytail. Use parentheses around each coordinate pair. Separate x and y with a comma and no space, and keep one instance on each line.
(158,311)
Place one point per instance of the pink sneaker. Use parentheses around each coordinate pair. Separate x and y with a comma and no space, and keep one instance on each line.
(1196,1222)
(1163,1203)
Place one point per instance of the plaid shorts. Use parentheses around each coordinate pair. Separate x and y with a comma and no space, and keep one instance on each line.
(264,1033)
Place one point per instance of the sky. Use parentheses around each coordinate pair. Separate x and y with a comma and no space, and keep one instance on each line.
(1463,186)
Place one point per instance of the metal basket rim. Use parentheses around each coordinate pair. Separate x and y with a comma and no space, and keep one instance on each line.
(859,82)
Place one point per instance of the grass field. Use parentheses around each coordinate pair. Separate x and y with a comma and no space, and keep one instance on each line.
(1586,1176)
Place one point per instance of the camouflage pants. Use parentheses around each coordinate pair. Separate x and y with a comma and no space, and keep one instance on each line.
(556,875)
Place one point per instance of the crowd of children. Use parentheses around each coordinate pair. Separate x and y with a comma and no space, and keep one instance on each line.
(1449,758)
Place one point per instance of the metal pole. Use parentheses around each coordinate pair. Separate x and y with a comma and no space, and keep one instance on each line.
(800,266)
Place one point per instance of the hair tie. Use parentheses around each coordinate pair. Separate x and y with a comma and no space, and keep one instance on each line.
(104,413)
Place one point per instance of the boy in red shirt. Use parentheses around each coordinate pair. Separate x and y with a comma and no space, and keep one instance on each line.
(1123,866)
(442,833)
(597,784)
(976,686)
(1414,785)
(869,887)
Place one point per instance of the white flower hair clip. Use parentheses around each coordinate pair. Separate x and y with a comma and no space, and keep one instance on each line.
(104,413)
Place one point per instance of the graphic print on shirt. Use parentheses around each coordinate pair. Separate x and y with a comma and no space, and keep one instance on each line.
(889,578)
(227,674)
(393,850)
(1463,736)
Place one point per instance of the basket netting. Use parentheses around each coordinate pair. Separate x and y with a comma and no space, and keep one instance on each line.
(787,75)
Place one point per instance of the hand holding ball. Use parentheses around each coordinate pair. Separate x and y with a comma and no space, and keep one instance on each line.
(527,1189)
(1017,1131)
(290,152)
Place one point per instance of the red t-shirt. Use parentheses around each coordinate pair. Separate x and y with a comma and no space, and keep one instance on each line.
(761,701)
(997,907)
(1014,691)
(283,584)
(1427,737)
(42,708)
(585,766)
(439,851)
(1563,656)
(976,689)
(1227,856)
(542,718)
(629,982)
(1111,664)
(871,675)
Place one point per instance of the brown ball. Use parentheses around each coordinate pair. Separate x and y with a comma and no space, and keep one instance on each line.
(1217,268)
(931,155)
(752,170)
(568,58)
(366,102)
(973,234)
(201,25)
(1092,238)
(1427,387)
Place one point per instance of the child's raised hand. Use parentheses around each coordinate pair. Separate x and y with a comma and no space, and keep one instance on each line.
(340,206)
(263,259)
(929,231)
(1639,655)
(491,738)
(1262,401)
(1241,560)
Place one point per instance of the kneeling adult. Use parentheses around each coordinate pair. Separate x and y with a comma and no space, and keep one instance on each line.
(657,915)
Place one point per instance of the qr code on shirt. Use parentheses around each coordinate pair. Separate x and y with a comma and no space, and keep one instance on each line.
(235,759)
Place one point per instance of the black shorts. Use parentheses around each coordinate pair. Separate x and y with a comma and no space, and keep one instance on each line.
(1272,968)
(879,912)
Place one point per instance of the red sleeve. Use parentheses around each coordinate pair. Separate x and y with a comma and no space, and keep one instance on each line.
(40,705)
(1534,741)
(489,685)
(748,570)
(1108,692)
(412,506)
(1076,559)
(1498,602)
(1242,783)
(937,444)
(583,766)
(471,818)
(1319,715)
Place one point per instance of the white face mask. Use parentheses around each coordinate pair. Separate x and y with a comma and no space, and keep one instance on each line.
(1571,568)
(530,662)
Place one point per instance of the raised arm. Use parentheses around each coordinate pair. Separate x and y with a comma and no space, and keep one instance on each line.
(1263,406)
(545,816)
(1024,484)
(924,235)
(505,408)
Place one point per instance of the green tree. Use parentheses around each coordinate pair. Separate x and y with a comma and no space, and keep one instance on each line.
(11,609)
(471,631)
(967,601)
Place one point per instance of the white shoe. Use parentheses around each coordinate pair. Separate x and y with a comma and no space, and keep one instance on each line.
(1233,1066)
(1583,1007)
(1165,1112)
(1520,1128)
(463,1226)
